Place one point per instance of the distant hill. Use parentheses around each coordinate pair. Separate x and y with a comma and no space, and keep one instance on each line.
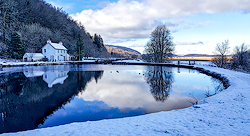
(124,52)
(125,49)
(174,55)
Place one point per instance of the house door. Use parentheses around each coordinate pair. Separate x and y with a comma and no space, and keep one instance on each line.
(51,58)
(64,58)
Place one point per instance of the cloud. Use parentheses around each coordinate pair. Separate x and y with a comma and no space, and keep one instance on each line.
(183,7)
(136,19)
(67,6)
(190,43)
(206,23)
(119,20)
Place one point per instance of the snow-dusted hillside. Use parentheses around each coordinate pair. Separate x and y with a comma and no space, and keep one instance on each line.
(226,113)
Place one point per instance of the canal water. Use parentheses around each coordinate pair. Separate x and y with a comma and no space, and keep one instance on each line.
(46,96)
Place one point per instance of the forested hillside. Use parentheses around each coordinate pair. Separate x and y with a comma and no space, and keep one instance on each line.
(125,49)
(26,25)
(122,52)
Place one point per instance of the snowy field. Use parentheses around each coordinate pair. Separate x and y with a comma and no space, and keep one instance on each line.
(227,113)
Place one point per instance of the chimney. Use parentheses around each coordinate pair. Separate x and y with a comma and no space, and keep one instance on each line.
(60,43)
(48,41)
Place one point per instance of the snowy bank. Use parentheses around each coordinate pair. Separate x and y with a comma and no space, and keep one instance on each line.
(226,113)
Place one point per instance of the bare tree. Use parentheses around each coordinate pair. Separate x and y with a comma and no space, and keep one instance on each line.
(160,83)
(221,49)
(160,46)
(241,57)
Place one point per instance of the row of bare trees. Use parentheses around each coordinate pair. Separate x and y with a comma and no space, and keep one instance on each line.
(239,60)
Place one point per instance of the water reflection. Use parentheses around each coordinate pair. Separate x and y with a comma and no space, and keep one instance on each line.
(27,102)
(55,77)
(160,82)
(50,77)
(53,96)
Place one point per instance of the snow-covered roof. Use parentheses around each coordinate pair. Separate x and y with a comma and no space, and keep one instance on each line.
(58,46)
(34,55)
(57,80)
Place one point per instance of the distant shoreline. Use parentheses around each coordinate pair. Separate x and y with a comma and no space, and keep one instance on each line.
(194,58)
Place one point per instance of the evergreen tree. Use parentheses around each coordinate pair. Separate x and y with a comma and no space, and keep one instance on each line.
(80,47)
(101,40)
(98,40)
(16,46)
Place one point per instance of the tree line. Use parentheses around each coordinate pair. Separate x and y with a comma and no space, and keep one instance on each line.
(160,48)
(240,59)
(26,25)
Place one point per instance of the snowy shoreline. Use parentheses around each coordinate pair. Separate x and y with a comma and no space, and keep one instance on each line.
(226,113)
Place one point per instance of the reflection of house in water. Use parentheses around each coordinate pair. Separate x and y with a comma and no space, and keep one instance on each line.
(33,73)
(50,77)
(55,77)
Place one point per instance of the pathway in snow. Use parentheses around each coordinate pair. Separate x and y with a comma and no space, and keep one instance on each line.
(227,113)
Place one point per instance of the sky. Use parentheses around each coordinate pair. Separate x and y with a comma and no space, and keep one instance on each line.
(196,25)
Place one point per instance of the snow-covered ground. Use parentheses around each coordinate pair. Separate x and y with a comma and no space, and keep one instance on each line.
(226,113)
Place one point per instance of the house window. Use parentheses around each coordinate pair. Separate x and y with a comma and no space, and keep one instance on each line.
(58,57)
(61,51)
(64,51)
(44,50)
(58,51)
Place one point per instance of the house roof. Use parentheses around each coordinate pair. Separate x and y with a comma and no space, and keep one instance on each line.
(34,55)
(57,80)
(58,46)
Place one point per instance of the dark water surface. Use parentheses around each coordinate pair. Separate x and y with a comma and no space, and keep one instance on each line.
(45,96)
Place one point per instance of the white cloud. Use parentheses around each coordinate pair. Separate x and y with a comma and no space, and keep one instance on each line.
(130,91)
(63,6)
(175,8)
(190,43)
(128,19)
(119,20)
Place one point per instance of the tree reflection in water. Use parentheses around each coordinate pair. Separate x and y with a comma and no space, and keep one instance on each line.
(160,82)
(218,87)
(26,102)
(28,98)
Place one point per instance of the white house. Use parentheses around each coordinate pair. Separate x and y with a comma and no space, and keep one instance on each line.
(55,51)
(32,56)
